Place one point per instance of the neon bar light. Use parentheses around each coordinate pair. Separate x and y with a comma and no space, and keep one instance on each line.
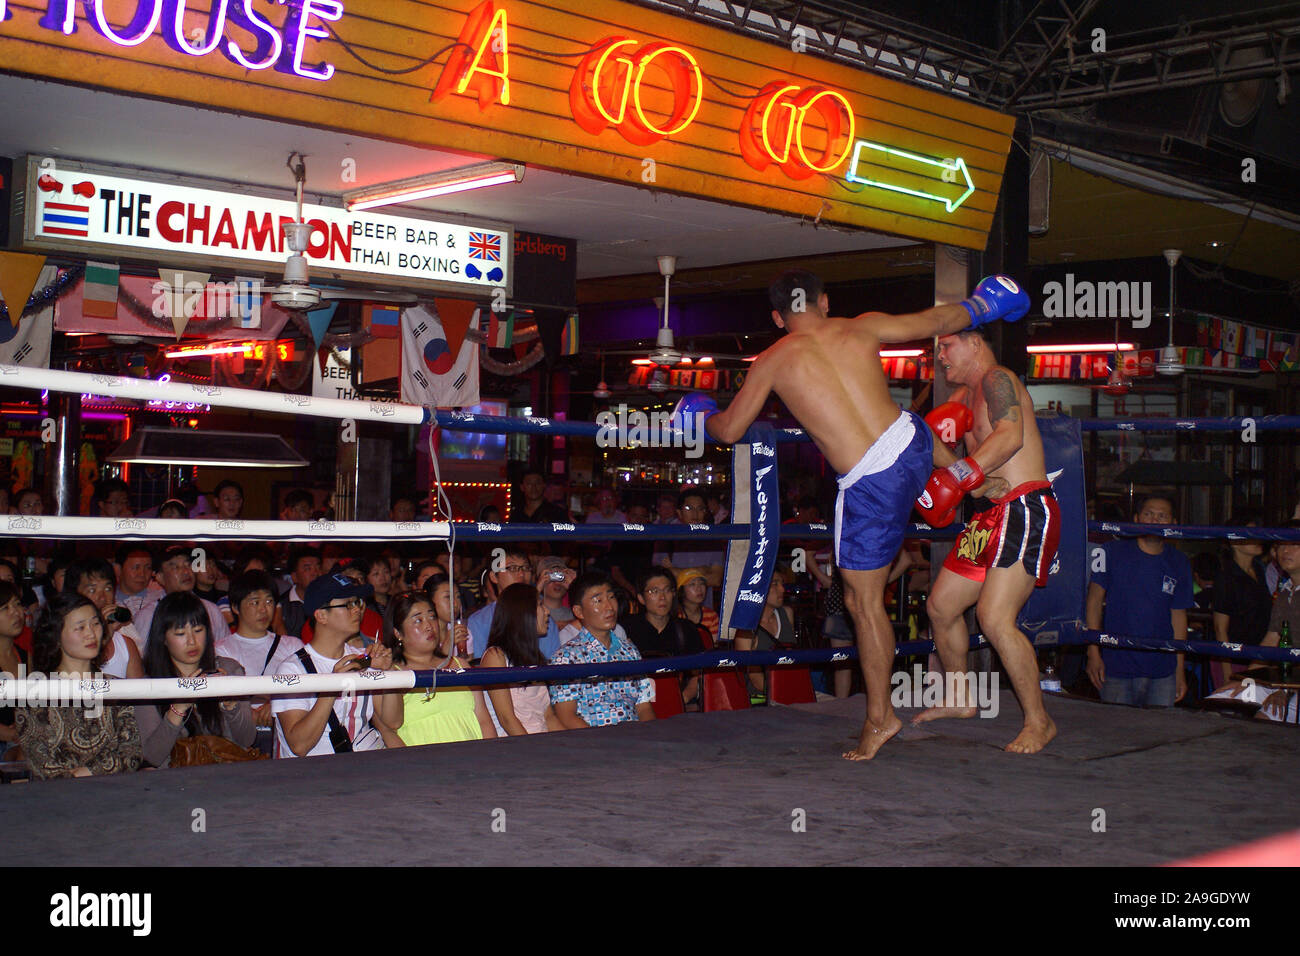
(946,167)
(1085,347)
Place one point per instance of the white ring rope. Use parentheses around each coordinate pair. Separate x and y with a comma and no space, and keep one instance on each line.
(220,529)
(40,691)
(149,390)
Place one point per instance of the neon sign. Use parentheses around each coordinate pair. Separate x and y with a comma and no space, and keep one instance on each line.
(773,129)
(492,29)
(948,170)
(284,49)
(599,94)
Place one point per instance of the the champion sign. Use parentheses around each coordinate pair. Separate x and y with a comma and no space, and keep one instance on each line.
(185,223)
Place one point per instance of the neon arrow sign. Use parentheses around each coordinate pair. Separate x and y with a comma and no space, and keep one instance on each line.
(949,168)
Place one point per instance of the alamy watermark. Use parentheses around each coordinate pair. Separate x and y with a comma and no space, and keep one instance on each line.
(622,427)
(1098,300)
(36,690)
(920,688)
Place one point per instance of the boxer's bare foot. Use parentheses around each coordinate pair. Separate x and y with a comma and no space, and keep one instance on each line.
(940,713)
(1033,737)
(873,738)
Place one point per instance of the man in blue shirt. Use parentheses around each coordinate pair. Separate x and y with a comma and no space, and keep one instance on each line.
(1145,587)
(599,703)
(515,569)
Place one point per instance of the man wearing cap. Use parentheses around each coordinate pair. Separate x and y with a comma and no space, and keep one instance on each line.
(334,723)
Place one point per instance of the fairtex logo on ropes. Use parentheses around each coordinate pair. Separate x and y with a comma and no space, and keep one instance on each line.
(751,597)
(761,449)
(379,408)
(322,525)
(130,524)
(556,526)
(488,526)
(408,526)
(230,524)
(298,400)
(1104,639)
(191,683)
(633,527)
(24,523)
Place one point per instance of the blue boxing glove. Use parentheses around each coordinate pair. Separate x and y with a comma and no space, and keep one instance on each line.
(996,297)
(691,404)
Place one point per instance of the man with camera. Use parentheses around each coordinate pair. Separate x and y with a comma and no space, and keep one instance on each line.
(335,723)
(512,566)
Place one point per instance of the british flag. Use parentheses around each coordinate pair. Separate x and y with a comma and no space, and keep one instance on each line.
(485,246)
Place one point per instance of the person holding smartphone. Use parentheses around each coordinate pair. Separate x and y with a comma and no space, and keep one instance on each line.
(179,646)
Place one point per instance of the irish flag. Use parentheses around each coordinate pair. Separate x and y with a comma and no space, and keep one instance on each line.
(100,293)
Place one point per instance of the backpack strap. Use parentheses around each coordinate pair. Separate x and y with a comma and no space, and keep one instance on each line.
(271,653)
(339,738)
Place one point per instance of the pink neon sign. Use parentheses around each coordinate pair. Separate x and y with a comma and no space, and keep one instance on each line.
(283,48)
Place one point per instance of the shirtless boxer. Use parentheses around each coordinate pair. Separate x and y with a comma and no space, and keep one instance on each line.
(827,371)
(1006,549)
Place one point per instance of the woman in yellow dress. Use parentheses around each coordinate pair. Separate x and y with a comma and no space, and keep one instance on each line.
(421,634)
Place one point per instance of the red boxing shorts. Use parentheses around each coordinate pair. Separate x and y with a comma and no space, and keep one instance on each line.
(1024,527)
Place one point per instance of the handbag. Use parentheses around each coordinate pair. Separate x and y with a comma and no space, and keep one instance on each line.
(208,748)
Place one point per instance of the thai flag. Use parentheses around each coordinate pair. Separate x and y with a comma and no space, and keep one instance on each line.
(65,219)
(485,247)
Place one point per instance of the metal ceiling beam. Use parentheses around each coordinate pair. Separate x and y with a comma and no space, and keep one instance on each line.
(1193,60)
(1037,68)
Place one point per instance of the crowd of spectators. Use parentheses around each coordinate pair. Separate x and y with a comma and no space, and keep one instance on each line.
(186,610)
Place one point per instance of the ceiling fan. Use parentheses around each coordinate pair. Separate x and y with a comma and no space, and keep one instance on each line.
(665,351)
(295,293)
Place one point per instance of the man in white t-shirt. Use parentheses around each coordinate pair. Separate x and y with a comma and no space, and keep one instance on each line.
(175,572)
(253,643)
(334,603)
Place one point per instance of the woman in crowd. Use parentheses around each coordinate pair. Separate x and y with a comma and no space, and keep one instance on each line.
(173,508)
(775,629)
(13,659)
(95,580)
(376,573)
(692,589)
(69,741)
(420,633)
(519,620)
(179,646)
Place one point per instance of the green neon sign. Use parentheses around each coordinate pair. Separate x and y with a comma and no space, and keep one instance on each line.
(949,169)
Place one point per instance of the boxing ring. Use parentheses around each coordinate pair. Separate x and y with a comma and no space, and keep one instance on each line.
(762,786)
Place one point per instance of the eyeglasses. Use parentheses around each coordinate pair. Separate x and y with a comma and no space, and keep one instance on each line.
(351,604)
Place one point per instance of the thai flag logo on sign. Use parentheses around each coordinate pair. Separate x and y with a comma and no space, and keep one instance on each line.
(485,247)
(65,219)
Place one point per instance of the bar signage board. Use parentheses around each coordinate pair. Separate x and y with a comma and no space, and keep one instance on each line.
(72,206)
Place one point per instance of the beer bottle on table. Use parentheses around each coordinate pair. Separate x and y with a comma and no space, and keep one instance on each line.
(1284,643)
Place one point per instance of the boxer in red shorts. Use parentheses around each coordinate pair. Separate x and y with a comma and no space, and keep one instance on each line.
(1007,549)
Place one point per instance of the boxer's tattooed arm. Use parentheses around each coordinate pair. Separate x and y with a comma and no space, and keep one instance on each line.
(1000,397)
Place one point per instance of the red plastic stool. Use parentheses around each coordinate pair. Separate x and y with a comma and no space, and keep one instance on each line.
(790,685)
(668,696)
(723,690)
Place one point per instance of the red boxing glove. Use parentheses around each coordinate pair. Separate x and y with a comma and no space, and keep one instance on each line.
(950,421)
(944,491)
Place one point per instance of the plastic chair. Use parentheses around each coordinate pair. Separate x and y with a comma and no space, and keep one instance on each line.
(790,685)
(668,696)
(723,690)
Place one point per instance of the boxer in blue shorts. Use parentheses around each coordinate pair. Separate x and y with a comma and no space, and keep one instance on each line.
(827,371)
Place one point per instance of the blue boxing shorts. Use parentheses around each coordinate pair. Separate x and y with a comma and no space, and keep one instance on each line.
(877,496)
